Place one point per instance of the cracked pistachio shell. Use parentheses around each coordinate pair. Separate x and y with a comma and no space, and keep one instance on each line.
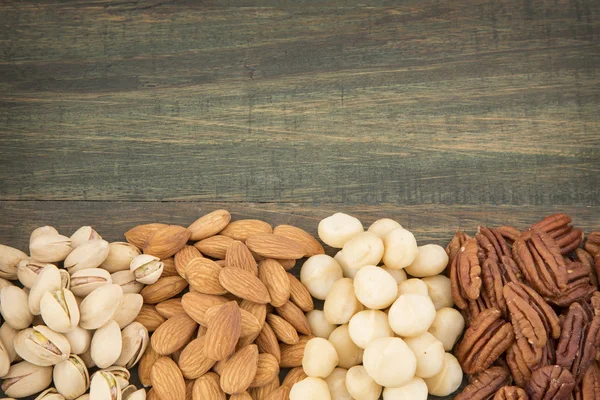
(100,306)
(9,260)
(120,255)
(128,310)
(50,248)
(15,308)
(106,345)
(48,280)
(71,377)
(88,255)
(42,346)
(135,341)
(24,379)
(7,336)
(4,360)
(42,230)
(86,281)
(146,268)
(59,310)
(83,235)
(28,271)
(50,394)
(120,373)
(127,281)
(65,279)
(80,339)
(133,393)
(104,387)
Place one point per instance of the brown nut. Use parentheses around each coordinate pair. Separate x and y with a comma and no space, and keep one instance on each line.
(485,384)
(551,382)
(511,393)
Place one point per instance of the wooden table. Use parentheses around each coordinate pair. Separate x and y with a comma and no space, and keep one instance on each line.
(441,114)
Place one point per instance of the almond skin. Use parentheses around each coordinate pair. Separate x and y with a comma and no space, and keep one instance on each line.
(169,267)
(145,365)
(294,315)
(192,361)
(300,295)
(150,318)
(183,256)
(240,370)
(163,289)
(214,246)
(256,309)
(167,241)
(267,370)
(207,387)
(172,335)
(209,225)
(267,342)
(241,396)
(283,330)
(244,228)
(170,308)
(223,332)
(249,325)
(287,264)
(196,304)
(269,245)
(281,393)
(274,277)
(167,379)
(244,285)
(203,276)
(309,244)
(239,256)
(261,393)
(294,376)
(139,235)
(291,354)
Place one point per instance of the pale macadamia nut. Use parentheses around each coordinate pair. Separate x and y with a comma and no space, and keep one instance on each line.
(411,314)
(375,288)
(415,389)
(319,273)
(320,358)
(349,353)
(439,288)
(448,380)
(337,229)
(398,274)
(429,352)
(447,326)
(389,361)
(400,249)
(341,303)
(363,249)
(318,324)
(310,388)
(431,260)
(383,226)
(337,384)
(360,385)
(369,325)
(348,271)
(413,285)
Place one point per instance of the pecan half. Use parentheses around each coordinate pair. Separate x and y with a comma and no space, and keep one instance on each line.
(474,308)
(491,244)
(592,243)
(509,232)
(484,341)
(493,283)
(579,284)
(595,302)
(558,228)
(455,245)
(544,310)
(511,393)
(485,385)
(588,260)
(554,222)
(570,240)
(551,382)
(589,388)
(469,270)
(519,369)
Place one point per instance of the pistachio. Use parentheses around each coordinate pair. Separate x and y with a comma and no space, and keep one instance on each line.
(85,281)
(106,345)
(120,255)
(128,310)
(133,394)
(121,374)
(127,281)
(15,308)
(71,377)
(28,271)
(4,360)
(24,379)
(7,336)
(65,279)
(100,306)
(50,248)
(87,255)
(48,280)
(135,341)
(42,346)
(80,339)
(9,259)
(84,397)
(42,230)
(59,310)
(5,283)
(50,394)
(86,356)
(83,235)
(104,387)
(146,268)
(127,391)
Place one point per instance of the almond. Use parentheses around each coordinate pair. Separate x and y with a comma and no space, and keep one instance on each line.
(244,285)
(283,330)
(309,244)
(219,365)
(151,395)
(167,379)
(202,331)
(239,256)
(294,376)
(167,241)
(209,224)
(189,389)
(249,325)
(244,228)
(241,396)
(150,318)
(169,267)
(256,309)
(214,246)
(207,387)
(291,354)
(170,308)
(261,393)
(300,295)
(292,314)
(223,332)
(269,245)
(183,256)
(267,370)
(240,370)
(145,365)
(203,276)
(196,304)
(287,264)
(139,235)
(275,279)
(192,361)
(267,342)
(221,263)
(163,289)
(281,393)
(175,356)
(172,335)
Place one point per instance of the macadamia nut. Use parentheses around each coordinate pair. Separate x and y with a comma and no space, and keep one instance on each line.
(319,273)
(400,249)
(318,324)
(413,285)
(363,249)
(349,271)
(439,288)
(389,361)
(431,260)
(360,385)
(341,302)
(383,226)
(398,274)
(429,352)
(415,389)
(337,229)
(320,358)
(447,326)
(349,353)
(369,325)
(310,388)
(411,314)
(448,379)
(337,385)
(375,288)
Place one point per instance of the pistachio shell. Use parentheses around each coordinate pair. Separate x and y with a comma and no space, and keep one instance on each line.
(4,360)
(15,308)
(59,310)
(87,280)
(106,345)
(147,269)
(24,379)
(121,374)
(100,306)
(50,248)
(9,260)
(135,341)
(120,256)
(137,395)
(127,391)
(83,235)
(80,339)
(48,280)
(104,387)
(84,397)
(42,230)
(65,279)
(88,255)
(42,346)
(50,394)
(7,336)
(127,281)
(71,377)
(5,283)
(86,356)
(28,271)
(128,310)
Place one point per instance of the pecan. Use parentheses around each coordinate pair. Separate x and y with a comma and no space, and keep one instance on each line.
(570,240)
(511,269)
(465,274)
(484,341)
(491,244)
(543,309)
(558,228)
(493,282)
(511,393)
(551,382)
(595,302)
(474,308)
(519,369)
(455,244)
(579,284)
(485,385)
(456,291)
(588,260)
(592,243)
(589,388)
(509,232)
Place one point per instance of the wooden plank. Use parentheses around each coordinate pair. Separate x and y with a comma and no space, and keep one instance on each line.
(447,103)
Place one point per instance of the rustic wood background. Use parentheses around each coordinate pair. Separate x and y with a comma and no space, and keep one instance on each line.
(441,114)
